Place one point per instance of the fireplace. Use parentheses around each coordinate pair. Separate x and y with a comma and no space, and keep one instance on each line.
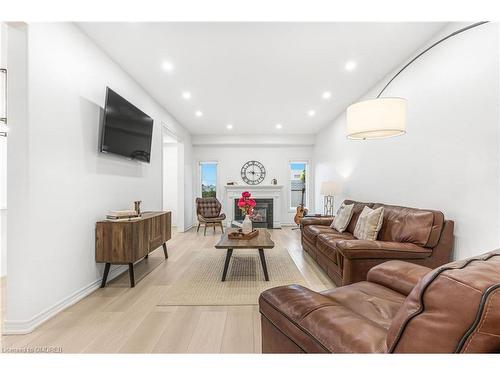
(263,213)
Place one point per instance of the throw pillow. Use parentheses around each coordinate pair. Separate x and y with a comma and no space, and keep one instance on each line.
(369,223)
(343,217)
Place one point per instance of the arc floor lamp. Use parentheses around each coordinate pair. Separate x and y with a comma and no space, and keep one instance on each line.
(386,117)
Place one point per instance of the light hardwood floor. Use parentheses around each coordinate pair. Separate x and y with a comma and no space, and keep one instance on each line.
(127,320)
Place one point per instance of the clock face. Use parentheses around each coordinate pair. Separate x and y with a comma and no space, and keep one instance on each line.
(253,172)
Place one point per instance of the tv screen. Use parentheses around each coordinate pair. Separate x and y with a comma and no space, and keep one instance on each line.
(126,129)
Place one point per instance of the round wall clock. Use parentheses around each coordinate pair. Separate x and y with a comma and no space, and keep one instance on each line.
(253,172)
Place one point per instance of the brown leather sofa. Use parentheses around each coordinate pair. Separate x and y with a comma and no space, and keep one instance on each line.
(402,308)
(419,236)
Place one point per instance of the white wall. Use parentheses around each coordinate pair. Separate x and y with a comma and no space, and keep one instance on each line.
(170,180)
(62,184)
(3,167)
(449,159)
(230,159)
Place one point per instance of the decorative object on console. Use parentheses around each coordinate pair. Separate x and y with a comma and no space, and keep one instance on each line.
(246,205)
(343,217)
(119,215)
(328,190)
(274,181)
(369,223)
(385,117)
(137,207)
(253,172)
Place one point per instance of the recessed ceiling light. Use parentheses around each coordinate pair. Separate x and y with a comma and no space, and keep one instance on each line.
(279,126)
(198,113)
(350,65)
(168,66)
(186,95)
(311,113)
(229,126)
(327,95)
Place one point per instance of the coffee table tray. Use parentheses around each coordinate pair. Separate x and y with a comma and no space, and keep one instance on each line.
(239,235)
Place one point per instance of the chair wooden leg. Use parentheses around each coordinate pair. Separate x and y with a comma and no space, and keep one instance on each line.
(198,229)
(221,227)
(214,227)
(205,230)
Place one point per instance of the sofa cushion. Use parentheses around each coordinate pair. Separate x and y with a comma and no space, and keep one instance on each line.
(397,275)
(356,211)
(343,217)
(326,243)
(404,224)
(313,231)
(369,223)
(351,319)
(363,249)
(372,301)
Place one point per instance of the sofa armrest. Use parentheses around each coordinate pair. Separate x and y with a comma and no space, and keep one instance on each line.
(398,275)
(364,249)
(285,308)
(319,220)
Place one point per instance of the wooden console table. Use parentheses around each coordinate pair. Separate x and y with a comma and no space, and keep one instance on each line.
(126,242)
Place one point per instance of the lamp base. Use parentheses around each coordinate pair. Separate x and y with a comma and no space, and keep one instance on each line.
(328,205)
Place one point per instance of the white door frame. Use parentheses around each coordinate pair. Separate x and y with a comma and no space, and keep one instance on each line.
(166,130)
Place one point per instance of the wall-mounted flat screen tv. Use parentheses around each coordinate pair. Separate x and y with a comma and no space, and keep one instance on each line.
(126,130)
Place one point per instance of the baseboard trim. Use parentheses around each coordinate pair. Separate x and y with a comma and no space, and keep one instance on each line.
(190,227)
(22,327)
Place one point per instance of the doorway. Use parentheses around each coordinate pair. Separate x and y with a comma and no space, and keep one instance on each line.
(172,179)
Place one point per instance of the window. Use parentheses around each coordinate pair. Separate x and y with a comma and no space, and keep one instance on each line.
(208,179)
(298,183)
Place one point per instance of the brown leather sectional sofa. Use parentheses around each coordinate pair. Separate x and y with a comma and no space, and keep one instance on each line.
(402,308)
(419,236)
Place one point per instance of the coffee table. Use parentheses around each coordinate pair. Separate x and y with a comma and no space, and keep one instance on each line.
(261,241)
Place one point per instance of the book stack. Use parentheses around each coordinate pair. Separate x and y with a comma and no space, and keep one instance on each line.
(119,215)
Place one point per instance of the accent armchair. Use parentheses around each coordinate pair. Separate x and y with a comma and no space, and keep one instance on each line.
(209,213)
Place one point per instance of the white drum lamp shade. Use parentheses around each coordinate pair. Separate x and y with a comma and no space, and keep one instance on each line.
(376,118)
(328,188)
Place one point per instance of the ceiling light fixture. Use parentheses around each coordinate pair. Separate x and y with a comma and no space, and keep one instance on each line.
(385,117)
(326,95)
(186,95)
(350,65)
(311,113)
(198,113)
(168,66)
(229,126)
(279,126)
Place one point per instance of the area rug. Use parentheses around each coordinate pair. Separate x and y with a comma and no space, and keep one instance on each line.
(201,283)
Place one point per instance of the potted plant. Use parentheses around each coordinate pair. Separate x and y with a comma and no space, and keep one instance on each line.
(246,204)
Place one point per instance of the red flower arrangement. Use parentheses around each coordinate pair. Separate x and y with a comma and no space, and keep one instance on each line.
(246,203)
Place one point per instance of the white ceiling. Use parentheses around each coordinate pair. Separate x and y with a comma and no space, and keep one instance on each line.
(255,75)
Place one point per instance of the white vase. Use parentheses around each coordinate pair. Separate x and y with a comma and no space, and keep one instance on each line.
(247,224)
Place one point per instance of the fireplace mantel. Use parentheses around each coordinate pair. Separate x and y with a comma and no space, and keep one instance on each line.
(274,192)
(250,188)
